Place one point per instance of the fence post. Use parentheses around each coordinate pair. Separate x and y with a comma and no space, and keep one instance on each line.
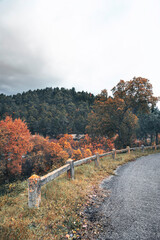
(34,191)
(142,148)
(70,172)
(114,153)
(96,160)
(128,149)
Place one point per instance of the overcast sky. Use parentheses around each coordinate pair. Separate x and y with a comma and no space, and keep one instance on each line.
(86,44)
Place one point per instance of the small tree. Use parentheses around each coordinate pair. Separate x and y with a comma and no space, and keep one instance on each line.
(15,143)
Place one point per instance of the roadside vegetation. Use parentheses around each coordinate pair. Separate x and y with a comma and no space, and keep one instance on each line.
(63,202)
(23,154)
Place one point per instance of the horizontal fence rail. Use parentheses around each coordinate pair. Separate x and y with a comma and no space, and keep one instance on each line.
(105,154)
(35,182)
(84,160)
(56,173)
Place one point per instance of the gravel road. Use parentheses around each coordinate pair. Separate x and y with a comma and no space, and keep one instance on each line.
(132,210)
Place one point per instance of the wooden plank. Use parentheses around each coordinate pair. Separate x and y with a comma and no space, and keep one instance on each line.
(52,175)
(135,148)
(122,150)
(105,154)
(149,147)
(132,149)
(84,160)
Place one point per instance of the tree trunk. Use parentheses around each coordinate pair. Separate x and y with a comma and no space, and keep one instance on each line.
(146,140)
(151,139)
(156,138)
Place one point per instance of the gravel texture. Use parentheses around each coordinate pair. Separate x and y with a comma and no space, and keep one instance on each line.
(132,209)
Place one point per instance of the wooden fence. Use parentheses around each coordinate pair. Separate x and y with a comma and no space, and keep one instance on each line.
(35,182)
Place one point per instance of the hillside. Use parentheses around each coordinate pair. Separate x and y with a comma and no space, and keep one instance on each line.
(49,111)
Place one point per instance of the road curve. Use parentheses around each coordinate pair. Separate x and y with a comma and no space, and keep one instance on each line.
(132,210)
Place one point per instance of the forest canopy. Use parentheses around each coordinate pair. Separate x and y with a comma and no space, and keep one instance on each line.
(49,112)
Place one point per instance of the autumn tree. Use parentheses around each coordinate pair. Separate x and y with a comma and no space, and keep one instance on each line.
(137,94)
(109,117)
(119,114)
(15,143)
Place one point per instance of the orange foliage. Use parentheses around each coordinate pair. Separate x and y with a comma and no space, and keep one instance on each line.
(84,142)
(63,156)
(66,139)
(110,144)
(15,142)
(55,153)
(77,154)
(98,150)
(42,154)
(40,143)
(87,153)
(55,148)
(67,145)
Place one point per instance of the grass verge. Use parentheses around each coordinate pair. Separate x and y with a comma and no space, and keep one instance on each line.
(62,202)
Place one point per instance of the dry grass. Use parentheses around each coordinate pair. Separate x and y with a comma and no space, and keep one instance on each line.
(62,201)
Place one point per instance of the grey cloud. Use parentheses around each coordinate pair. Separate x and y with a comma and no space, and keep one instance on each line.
(20,68)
